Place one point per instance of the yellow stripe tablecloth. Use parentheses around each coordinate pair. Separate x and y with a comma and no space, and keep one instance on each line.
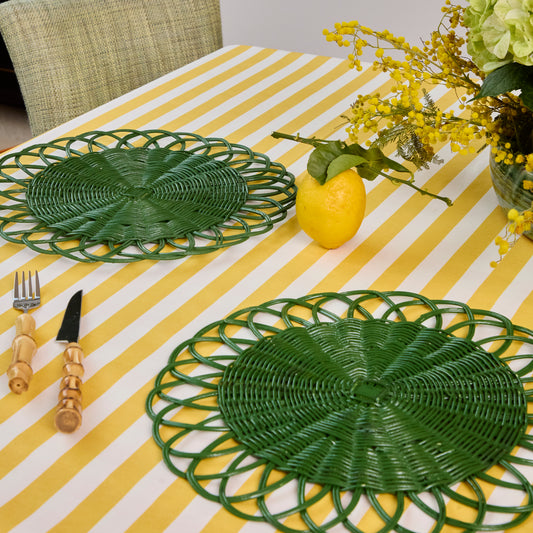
(109,476)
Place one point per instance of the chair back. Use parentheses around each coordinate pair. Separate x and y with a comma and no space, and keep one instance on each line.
(71,56)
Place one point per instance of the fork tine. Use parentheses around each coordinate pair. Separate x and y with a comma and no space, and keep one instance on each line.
(23,286)
(30,288)
(37,285)
(16,287)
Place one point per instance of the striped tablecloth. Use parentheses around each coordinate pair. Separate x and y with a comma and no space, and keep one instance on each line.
(109,476)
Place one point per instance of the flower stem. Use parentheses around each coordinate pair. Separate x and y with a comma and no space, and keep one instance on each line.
(313,141)
(409,183)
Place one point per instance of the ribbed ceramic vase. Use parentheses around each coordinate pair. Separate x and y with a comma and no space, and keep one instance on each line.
(508,183)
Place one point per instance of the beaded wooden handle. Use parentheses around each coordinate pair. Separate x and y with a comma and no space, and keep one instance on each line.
(24,347)
(69,408)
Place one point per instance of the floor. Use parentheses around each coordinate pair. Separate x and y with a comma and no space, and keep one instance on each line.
(14,127)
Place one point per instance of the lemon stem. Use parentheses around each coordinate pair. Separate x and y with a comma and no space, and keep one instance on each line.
(313,141)
(317,143)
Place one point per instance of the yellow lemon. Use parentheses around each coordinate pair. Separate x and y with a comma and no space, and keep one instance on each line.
(331,213)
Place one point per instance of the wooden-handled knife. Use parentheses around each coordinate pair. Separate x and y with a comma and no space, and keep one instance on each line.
(69,408)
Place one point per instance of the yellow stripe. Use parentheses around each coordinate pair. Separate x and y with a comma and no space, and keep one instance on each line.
(118,484)
(481,237)
(70,463)
(330,130)
(500,278)
(371,520)
(173,83)
(415,254)
(219,98)
(165,508)
(521,253)
(276,110)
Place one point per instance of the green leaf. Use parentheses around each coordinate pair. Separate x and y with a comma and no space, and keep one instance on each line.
(368,172)
(375,155)
(374,161)
(394,165)
(527,97)
(510,77)
(342,163)
(320,159)
(356,149)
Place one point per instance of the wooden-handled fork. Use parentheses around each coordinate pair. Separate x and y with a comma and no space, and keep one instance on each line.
(24,346)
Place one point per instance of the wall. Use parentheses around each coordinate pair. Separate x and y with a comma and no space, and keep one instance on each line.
(297,25)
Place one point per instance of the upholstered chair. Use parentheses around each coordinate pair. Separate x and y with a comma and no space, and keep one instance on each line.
(72,55)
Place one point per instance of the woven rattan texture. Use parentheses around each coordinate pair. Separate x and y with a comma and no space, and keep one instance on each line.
(143,194)
(370,403)
(87,52)
(127,195)
(305,413)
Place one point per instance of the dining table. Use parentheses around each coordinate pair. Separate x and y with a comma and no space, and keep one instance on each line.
(160,332)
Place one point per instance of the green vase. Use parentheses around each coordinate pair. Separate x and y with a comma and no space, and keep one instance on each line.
(508,184)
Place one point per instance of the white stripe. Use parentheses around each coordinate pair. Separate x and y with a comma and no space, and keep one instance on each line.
(88,479)
(136,501)
(203,97)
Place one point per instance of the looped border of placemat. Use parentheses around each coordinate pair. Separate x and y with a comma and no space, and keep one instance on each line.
(271,192)
(183,406)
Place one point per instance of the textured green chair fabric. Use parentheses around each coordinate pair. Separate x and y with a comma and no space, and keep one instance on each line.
(72,55)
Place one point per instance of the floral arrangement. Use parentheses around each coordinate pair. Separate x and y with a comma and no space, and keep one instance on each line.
(485,53)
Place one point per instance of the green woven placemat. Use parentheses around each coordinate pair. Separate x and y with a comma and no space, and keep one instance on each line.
(126,195)
(334,401)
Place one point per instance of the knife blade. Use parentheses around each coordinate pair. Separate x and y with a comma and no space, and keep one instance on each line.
(69,408)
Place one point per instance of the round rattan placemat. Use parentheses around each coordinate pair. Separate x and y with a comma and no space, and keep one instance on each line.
(311,413)
(127,195)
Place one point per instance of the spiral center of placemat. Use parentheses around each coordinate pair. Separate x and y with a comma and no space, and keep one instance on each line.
(137,194)
(372,403)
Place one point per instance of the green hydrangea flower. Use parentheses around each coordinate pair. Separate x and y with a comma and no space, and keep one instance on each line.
(500,32)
